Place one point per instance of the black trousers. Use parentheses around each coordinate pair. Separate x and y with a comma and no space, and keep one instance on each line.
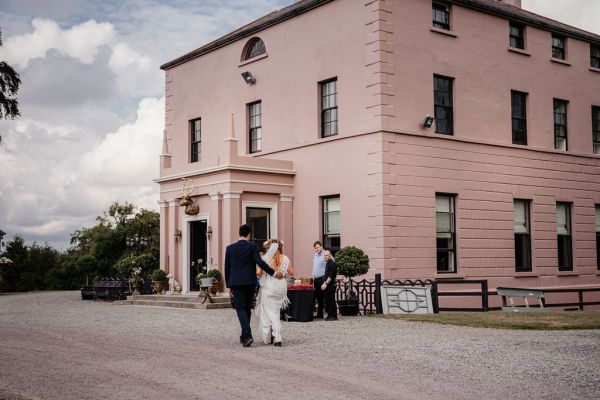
(319,295)
(242,300)
(330,305)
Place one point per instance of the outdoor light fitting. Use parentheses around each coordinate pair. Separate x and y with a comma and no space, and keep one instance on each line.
(177,234)
(209,232)
(248,78)
(428,121)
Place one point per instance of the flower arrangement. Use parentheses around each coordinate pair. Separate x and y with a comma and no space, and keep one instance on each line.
(136,276)
(200,269)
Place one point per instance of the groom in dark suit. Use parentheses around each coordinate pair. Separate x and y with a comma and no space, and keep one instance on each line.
(241,259)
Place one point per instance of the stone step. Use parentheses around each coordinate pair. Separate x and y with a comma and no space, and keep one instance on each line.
(179,298)
(177,301)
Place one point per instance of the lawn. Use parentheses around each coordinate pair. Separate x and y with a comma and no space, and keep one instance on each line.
(505,320)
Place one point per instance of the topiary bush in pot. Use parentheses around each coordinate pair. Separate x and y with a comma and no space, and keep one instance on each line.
(351,261)
(159,278)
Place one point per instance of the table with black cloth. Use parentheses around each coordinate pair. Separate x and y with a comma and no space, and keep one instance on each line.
(301,306)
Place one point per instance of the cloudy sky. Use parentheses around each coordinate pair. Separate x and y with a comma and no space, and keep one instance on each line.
(92,99)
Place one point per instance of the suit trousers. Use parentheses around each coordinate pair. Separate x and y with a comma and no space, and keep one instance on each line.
(319,295)
(243,297)
(329,296)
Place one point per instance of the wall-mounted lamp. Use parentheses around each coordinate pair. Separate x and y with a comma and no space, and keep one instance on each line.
(177,234)
(428,121)
(248,78)
(209,232)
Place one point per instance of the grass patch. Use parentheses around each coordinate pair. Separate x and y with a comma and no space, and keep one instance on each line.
(505,320)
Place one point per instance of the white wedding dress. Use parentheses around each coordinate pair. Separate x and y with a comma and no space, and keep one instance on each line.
(272,297)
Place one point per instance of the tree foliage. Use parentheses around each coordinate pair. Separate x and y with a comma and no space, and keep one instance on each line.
(9,85)
(351,261)
(95,252)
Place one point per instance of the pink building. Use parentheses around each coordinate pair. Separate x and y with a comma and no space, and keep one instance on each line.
(312,123)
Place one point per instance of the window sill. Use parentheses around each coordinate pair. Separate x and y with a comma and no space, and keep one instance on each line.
(443,32)
(526,274)
(246,62)
(559,61)
(449,275)
(594,69)
(518,51)
(567,273)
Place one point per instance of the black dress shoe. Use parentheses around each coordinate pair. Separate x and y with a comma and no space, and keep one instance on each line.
(247,342)
(318,317)
(331,319)
(278,344)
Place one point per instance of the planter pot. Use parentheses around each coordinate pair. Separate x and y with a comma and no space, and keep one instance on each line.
(348,307)
(206,282)
(159,287)
(214,289)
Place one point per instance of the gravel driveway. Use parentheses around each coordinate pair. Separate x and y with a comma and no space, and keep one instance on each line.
(56,346)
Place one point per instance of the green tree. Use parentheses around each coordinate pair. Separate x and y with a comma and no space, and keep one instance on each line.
(16,251)
(9,85)
(31,267)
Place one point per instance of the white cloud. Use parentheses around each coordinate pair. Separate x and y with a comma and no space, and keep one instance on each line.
(582,14)
(65,178)
(136,73)
(80,42)
(129,156)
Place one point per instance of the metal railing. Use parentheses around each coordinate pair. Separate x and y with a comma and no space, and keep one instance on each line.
(369,293)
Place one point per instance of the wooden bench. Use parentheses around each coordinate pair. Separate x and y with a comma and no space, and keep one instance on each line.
(525,294)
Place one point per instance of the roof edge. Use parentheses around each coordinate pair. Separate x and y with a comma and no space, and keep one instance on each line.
(288,12)
(576,33)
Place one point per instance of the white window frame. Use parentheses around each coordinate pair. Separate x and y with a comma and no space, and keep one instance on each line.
(272,214)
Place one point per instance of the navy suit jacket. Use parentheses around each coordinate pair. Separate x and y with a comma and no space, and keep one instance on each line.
(241,259)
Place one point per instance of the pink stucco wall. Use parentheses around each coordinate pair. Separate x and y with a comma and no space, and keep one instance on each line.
(384,166)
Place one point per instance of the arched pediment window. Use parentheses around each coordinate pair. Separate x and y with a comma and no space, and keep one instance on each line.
(254,47)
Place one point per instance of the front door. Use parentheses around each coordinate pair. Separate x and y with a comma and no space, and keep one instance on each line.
(197,251)
(259,220)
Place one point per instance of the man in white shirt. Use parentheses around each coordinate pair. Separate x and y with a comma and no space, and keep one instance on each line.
(318,274)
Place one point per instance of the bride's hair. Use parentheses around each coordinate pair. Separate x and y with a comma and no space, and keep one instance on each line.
(277,258)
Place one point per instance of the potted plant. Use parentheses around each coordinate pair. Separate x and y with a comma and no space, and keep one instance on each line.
(203,280)
(216,275)
(158,280)
(136,279)
(350,261)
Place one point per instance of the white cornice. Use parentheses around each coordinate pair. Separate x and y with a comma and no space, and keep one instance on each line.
(232,194)
(215,196)
(224,168)
(286,197)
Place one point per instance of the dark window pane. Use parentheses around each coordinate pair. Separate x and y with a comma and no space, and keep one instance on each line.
(595,56)
(259,221)
(195,139)
(519,118)
(596,129)
(331,222)
(516,35)
(255,48)
(441,16)
(329,108)
(565,256)
(445,233)
(558,47)
(255,128)
(443,109)
(598,250)
(560,125)
(522,253)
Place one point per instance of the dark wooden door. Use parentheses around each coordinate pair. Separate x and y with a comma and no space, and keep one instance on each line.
(197,251)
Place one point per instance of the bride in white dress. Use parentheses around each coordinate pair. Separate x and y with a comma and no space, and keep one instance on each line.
(272,296)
